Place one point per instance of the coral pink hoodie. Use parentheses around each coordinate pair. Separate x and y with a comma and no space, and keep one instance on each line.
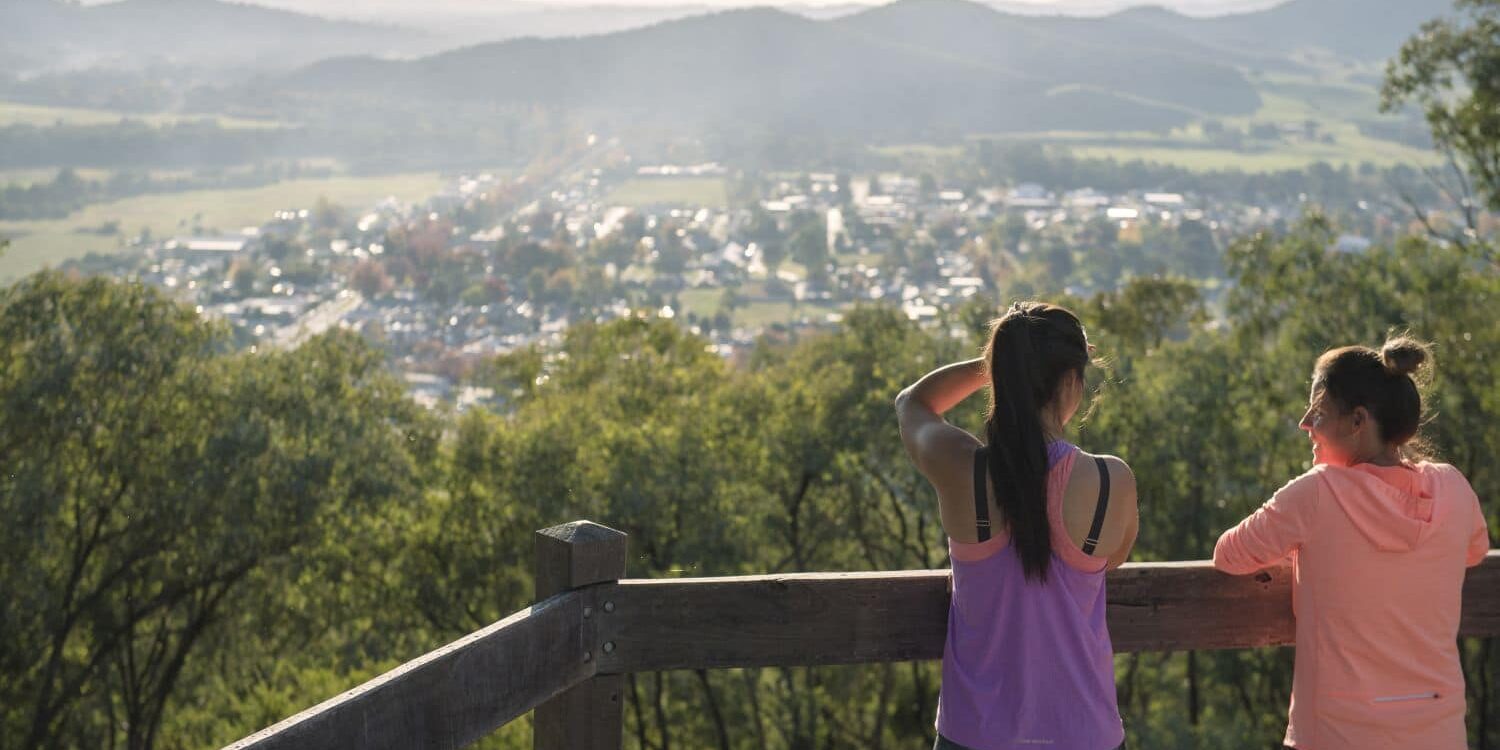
(1378,557)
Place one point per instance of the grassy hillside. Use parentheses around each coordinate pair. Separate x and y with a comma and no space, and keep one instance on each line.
(51,34)
(1366,30)
(961,67)
(687,191)
(1138,62)
(908,68)
(16,113)
(35,244)
(1336,106)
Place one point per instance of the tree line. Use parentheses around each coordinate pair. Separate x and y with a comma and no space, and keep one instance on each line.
(204,540)
(69,191)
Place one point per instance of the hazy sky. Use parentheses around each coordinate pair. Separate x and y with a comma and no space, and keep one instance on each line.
(463,16)
(1204,5)
(366,7)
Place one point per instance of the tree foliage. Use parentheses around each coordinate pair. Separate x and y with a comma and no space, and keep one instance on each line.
(200,542)
(153,483)
(1451,69)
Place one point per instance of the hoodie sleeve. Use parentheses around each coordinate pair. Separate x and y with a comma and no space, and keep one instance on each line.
(1479,534)
(1272,532)
(1479,542)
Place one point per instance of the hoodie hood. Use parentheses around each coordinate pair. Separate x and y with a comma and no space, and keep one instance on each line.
(1391,517)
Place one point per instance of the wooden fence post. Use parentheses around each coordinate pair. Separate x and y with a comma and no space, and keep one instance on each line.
(591,715)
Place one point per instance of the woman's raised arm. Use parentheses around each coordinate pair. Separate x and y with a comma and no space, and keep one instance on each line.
(928,438)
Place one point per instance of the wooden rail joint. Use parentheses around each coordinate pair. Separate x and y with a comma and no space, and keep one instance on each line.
(586,559)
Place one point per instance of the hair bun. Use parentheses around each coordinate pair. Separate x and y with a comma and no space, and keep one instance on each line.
(1403,355)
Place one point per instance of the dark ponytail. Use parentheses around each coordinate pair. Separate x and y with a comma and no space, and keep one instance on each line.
(1032,347)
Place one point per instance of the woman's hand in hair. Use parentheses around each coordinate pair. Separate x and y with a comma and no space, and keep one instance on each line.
(940,450)
(946,387)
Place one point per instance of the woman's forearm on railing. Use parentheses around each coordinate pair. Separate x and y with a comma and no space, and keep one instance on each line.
(943,388)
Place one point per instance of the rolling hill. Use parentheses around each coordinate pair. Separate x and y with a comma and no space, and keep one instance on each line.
(911,67)
(1141,62)
(904,69)
(1364,30)
(133,34)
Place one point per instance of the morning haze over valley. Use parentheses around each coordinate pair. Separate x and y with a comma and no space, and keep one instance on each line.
(742,167)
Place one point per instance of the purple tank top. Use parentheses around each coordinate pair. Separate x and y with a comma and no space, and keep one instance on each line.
(1028,665)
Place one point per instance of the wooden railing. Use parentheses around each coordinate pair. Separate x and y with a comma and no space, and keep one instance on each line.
(565,657)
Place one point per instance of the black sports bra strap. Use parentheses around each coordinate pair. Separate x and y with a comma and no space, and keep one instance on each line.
(981,496)
(1092,540)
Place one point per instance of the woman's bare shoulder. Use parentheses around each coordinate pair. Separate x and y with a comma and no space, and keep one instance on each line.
(1119,470)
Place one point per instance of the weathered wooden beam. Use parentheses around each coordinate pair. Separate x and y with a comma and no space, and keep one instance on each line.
(453,696)
(747,621)
(590,716)
(1179,606)
(852,618)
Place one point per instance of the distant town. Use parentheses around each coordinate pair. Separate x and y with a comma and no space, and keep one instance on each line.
(493,263)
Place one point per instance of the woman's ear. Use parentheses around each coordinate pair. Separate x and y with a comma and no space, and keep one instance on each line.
(1359,417)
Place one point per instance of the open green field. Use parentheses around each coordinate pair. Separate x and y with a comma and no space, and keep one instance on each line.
(37,244)
(42,175)
(919,151)
(757,313)
(1330,97)
(762,314)
(701,302)
(686,191)
(1332,111)
(28,177)
(14,113)
(1330,100)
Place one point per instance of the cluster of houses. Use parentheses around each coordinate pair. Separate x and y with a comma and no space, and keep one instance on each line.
(297,274)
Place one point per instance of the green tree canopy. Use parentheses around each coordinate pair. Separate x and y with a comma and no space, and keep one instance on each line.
(1451,69)
(151,478)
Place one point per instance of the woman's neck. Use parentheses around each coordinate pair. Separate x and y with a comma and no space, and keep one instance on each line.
(1052,429)
(1388,455)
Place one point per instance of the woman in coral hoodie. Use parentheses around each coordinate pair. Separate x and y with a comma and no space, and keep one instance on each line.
(1379,544)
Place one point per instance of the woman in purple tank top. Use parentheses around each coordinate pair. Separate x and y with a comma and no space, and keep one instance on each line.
(1028,663)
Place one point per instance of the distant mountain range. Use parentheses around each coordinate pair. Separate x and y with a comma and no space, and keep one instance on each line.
(908,68)
(52,35)
(911,67)
(1367,30)
(465,22)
